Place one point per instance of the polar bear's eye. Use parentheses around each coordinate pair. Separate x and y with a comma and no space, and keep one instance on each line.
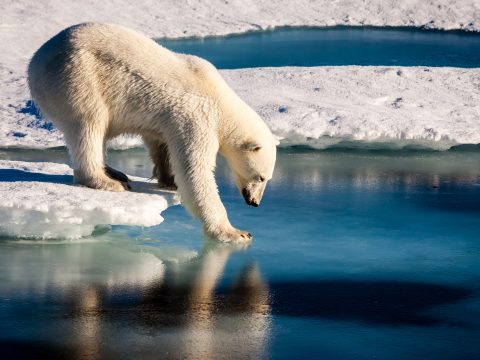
(261,178)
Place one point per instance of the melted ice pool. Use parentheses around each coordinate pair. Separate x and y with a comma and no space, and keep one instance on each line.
(336,46)
(356,255)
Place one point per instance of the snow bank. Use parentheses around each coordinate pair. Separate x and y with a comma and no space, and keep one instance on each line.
(39,200)
(393,106)
(26,24)
(388,107)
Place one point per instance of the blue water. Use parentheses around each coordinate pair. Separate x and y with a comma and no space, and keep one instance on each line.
(336,46)
(356,255)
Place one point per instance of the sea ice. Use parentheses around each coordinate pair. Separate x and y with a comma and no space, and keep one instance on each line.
(321,107)
(39,200)
(390,106)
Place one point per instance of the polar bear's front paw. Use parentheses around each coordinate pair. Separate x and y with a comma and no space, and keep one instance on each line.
(230,234)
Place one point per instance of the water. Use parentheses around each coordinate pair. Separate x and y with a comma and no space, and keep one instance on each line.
(356,255)
(336,46)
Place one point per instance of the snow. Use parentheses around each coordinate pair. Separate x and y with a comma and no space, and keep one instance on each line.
(39,200)
(392,106)
(322,107)
(26,24)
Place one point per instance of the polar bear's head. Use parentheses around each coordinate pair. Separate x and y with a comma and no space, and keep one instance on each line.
(253,163)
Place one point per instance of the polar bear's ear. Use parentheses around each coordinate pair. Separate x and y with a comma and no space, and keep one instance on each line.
(250,146)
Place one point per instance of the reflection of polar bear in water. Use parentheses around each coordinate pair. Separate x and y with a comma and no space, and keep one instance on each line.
(97,81)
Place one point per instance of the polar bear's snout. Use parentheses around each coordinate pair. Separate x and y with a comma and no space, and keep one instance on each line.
(248,198)
(253,193)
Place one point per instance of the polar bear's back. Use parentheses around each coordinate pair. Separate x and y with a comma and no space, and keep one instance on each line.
(99,68)
(127,83)
(89,49)
(105,41)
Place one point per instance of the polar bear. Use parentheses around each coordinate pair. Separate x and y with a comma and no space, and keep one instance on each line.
(97,81)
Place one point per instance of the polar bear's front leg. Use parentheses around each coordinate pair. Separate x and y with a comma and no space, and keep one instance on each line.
(194,175)
(216,223)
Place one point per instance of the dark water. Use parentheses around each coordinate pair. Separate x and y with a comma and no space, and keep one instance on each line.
(336,46)
(355,256)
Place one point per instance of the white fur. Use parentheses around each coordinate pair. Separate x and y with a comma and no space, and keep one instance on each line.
(97,81)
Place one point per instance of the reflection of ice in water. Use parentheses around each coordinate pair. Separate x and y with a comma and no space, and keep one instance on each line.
(41,267)
(113,295)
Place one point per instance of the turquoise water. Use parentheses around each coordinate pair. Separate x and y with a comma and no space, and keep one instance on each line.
(336,46)
(356,255)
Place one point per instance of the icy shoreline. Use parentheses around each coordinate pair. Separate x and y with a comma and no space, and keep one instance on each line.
(395,106)
(38,200)
(320,107)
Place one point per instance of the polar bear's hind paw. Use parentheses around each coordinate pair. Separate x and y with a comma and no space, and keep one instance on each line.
(106,184)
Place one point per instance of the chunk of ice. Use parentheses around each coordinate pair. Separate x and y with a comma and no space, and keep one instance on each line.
(39,200)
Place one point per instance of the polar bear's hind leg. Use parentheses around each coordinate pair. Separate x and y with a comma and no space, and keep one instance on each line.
(87,152)
(162,169)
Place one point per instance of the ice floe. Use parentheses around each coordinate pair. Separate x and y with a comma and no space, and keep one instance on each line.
(39,200)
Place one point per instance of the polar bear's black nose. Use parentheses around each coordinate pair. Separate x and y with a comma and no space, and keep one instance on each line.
(251,202)
(247,198)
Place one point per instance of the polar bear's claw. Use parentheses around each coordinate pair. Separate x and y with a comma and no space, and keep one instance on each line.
(246,236)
